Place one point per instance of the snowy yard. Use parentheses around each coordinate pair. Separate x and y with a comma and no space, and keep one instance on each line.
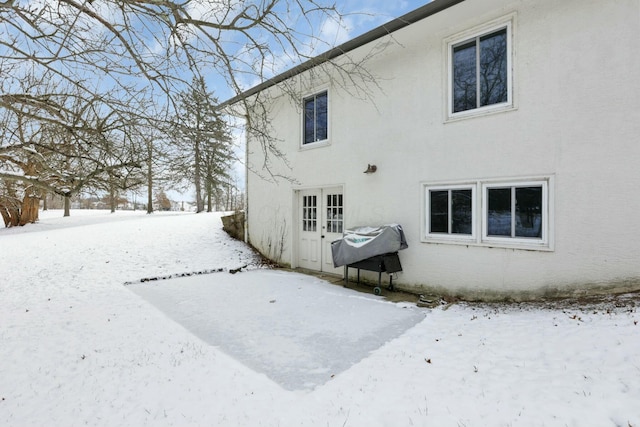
(272,348)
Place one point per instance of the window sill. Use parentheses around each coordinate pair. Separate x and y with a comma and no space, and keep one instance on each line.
(467,240)
(312,145)
(479,112)
(540,247)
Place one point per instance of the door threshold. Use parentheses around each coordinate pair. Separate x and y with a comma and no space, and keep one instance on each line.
(320,274)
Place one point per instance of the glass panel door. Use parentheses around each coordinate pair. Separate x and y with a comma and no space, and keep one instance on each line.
(334,213)
(309,213)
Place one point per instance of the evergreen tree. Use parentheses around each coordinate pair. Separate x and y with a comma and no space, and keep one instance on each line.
(203,150)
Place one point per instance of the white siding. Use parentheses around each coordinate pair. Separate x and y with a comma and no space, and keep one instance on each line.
(576,119)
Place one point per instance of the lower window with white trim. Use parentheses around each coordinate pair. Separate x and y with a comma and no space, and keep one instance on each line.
(516,212)
(510,213)
(450,212)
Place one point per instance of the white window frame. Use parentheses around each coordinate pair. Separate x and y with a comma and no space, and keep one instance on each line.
(449,237)
(479,203)
(461,38)
(322,142)
(543,241)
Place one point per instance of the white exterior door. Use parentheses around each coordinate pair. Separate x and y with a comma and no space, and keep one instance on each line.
(320,222)
(309,230)
(332,225)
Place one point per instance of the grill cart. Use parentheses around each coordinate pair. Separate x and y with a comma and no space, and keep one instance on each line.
(372,249)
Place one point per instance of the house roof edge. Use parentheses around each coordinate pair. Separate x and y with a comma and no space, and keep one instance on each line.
(396,24)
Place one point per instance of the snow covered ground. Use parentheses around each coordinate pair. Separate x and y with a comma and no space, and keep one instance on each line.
(298,331)
(272,348)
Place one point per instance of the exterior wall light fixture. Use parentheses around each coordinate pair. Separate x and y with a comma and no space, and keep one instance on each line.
(371,169)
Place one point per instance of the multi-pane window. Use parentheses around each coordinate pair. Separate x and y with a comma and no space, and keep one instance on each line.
(480,71)
(334,213)
(507,213)
(315,118)
(309,213)
(451,211)
(515,212)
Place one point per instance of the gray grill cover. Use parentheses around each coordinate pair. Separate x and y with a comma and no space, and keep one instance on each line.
(364,242)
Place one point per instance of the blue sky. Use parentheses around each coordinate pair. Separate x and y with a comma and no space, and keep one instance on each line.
(364,15)
(356,17)
(372,13)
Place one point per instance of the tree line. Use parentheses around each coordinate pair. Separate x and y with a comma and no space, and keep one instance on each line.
(66,144)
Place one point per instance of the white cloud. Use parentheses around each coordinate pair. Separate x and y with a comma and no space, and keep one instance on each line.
(54,16)
(213,10)
(336,30)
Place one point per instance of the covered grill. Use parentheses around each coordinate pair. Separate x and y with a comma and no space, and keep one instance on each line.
(370,248)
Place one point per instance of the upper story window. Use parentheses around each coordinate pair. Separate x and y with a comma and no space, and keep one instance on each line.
(315,118)
(480,76)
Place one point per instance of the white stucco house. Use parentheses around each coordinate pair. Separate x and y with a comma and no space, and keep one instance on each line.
(506,140)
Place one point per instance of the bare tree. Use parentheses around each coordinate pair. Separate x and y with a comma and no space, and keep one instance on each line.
(63,147)
(87,68)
